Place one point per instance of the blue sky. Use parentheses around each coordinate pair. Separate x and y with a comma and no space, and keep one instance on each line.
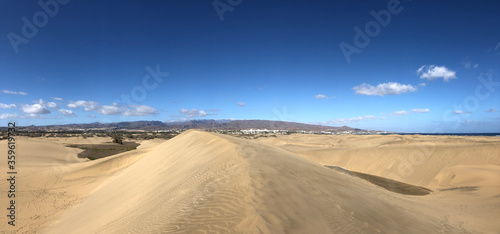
(409,66)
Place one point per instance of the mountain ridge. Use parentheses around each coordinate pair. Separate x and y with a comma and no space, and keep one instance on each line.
(209,124)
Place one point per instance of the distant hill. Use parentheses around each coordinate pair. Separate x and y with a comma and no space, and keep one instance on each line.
(196,124)
(253,124)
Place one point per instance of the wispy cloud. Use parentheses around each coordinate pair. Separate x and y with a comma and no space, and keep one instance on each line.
(468,65)
(136,110)
(420,110)
(401,112)
(9,116)
(195,113)
(9,92)
(87,105)
(458,112)
(7,106)
(491,110)
(65,112)
(390,88)
(57,99)
(434,72)
(139,110)
(343,121)
(115,109)
(46,104)
(242,104)
(322,96)
(14,92)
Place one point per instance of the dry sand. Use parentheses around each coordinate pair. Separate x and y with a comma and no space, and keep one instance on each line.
(202,182)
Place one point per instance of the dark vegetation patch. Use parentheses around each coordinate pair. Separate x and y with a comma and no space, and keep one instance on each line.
(391,185)
(96,151)
(254,136)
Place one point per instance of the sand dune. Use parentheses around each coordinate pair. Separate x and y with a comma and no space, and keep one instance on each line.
(51,179)
(201,182)
(411,159)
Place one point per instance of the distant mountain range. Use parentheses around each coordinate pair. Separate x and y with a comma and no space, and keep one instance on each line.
(195,124)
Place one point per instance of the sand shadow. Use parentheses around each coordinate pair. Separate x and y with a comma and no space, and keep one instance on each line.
(461,189)
(391,185)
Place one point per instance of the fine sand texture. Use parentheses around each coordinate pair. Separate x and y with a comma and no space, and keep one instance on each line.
(200,182)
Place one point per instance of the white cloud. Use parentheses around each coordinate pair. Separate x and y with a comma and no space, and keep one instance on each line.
(9,92)
(35,109)
(342,121)
(196,113)
(46,104)
(66,112)
(26,116)
(420,110)
(491,110)
(114,109)
(108,110)
(52,104)
(421,84)
(57,99)
(401,112)
(370,117)
(322,96)
(7,106)
(498,46)
(193,112)
(32,116)
(434,72)
(140,110)
(8,116)
(242,104)
(390,88)
(458,112)
(13,92)
(87,105)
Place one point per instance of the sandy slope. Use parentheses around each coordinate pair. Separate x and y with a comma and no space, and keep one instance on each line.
(201,182)
(428,161)
(51,178)
(464,172)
